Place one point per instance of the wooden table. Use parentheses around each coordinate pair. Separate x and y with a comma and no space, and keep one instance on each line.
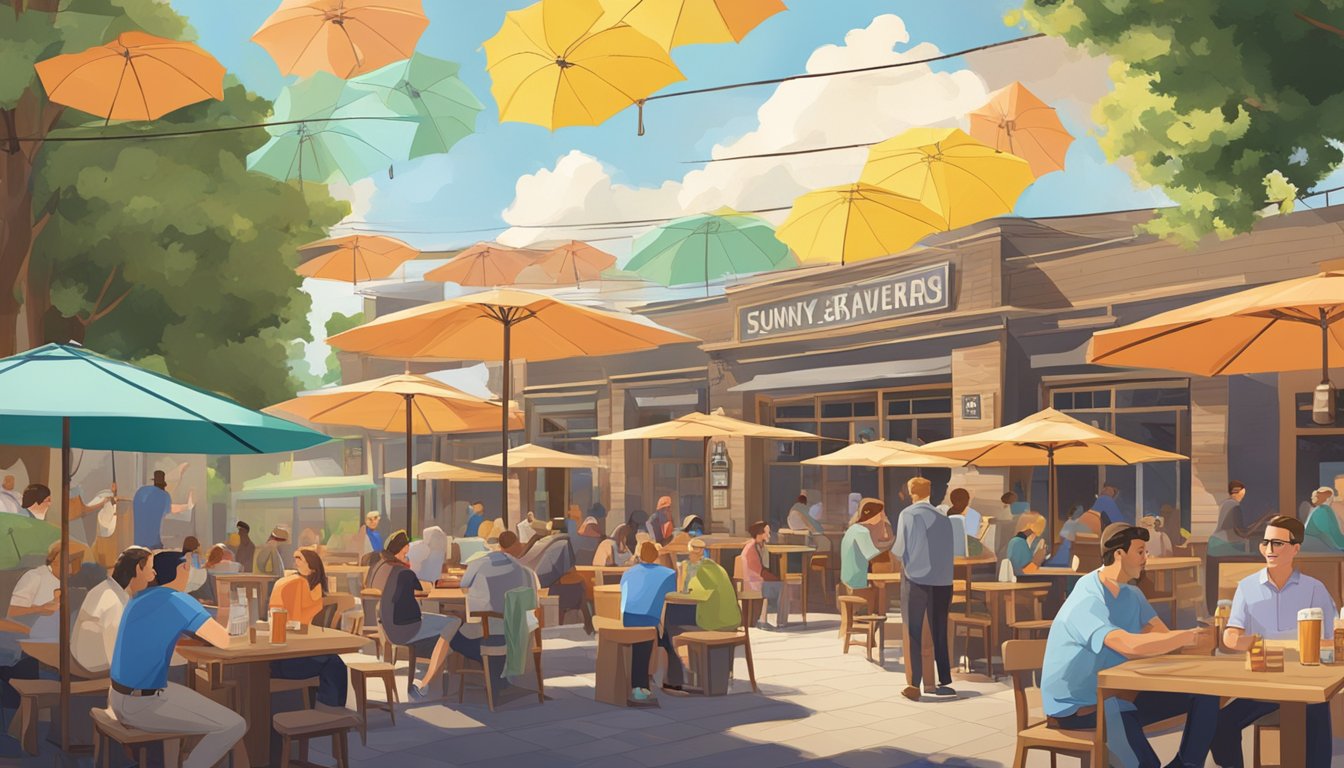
(343,574)
(257,586)
(1163,582)
(1226,676)
(1001,599)
(717,546)
(784,550)
(251,665)
(450,597)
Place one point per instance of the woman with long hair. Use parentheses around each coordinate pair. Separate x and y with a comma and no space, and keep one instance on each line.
(301,595)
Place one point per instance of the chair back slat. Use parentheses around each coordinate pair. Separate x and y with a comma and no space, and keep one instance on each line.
(1022,659)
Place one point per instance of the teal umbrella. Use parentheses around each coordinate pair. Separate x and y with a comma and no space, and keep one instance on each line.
(430,90)
(697,249)
(64,396)
(321,131)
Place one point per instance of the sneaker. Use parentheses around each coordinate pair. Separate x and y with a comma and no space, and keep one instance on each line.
(911,692)
(944,690)
(764,626)
(640,694)
(418,693)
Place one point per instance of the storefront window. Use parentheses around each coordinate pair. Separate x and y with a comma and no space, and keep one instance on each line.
(570,430)
(1156,414)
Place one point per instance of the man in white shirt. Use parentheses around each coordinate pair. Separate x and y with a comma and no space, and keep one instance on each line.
(9,500)
(35,592)
(95,634)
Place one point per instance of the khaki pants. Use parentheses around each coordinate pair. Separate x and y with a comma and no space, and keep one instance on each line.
(178,709)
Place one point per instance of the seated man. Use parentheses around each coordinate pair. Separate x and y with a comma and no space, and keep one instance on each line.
(553,561)
(716,608)
(1104,622)
(644,589)
(487,581)
(1266,606)
(141,695)
(94,638)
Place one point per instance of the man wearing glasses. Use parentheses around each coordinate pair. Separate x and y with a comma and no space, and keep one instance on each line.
(1266,605)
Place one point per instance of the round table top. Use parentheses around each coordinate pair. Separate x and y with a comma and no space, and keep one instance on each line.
(789,549)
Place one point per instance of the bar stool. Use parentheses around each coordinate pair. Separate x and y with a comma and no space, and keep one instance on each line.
(107,730)
(614,650)
(360,672)
(304,725)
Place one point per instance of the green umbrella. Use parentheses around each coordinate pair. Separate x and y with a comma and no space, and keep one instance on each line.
(697,249)
(21,536)
(429,89)
(63,396)
(321,131)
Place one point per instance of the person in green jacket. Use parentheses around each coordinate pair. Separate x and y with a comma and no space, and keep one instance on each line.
(1323,533)
(716,608)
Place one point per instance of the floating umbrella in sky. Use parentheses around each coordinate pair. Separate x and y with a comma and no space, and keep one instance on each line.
(427,88)
(484,265)
(135,77)
(328,135)
(697,249)
(355,257)
(684,22)
(342,37)
(960,178)
(854,222)
(1017,122)
(552,65)
(575,261)
(504,325)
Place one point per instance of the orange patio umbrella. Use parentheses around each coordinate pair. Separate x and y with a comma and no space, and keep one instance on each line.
(343,37)
(684,22)
(1017,122)
(356,257)
(484,265)
(135,77)
(575,261)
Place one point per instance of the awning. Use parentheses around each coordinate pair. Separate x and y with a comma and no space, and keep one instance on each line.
(668,401)
(848,374)
(305,487)
(1066,359)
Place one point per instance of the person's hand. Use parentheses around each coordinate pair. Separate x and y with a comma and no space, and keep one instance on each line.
(1201,640)
(46,609)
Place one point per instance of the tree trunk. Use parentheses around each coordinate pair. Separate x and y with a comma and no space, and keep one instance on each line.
(16,243)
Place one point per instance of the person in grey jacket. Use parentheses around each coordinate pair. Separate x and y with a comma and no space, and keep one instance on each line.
(924,544)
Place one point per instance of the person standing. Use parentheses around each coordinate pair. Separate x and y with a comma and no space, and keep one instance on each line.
(1265,606)
(246,553)
(1105,621)
(94,638)
(924,545)
(151,504)
(141,697)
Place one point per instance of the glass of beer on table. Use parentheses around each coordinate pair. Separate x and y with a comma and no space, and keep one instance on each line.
(1309,622)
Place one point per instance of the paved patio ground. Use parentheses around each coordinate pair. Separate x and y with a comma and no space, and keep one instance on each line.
(816,707)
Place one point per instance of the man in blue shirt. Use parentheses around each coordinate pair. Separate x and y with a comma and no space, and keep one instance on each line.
(924,544)
(370,529)
(644,589)
(141,696)
(150,505)
(1107,506)
(1104,622)
(474,521)
(1266,606)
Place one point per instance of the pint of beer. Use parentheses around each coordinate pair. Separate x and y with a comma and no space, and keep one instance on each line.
(1309,621)
(279,616)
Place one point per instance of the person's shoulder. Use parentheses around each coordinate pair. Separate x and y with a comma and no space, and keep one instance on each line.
(1253,579)
(1309,581)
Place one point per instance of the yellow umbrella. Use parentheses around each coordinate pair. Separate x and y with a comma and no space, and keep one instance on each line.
(698,426)
(423,405)
(882,453)
(952,173)
(1047,439)
(481,327)
(684,22)
(529,456)
(355,257)
(437,470)
(854,222)
(553,65)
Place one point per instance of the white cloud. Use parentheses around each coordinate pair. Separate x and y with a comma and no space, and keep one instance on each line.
(803,114)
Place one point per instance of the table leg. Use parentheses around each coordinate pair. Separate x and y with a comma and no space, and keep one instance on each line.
(1293,735)
(995,609)
(807,566)
(254,697)
(1099,752)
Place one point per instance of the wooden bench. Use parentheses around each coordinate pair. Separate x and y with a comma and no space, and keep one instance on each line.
(304,725)
(108,730)
(38,695)
(614,642)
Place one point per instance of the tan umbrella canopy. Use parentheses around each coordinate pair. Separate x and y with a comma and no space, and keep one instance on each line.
(437,470)
(698,426)
(1047,439)
(418,404)
(531,456)
(355,257)
(1292,325)
(484,265)
(882,453)
(503,325)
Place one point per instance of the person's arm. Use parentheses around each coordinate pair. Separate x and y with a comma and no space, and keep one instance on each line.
(25,592)
(898,548)
(213,633)
(1237,639)
(867,548)
(1149,643)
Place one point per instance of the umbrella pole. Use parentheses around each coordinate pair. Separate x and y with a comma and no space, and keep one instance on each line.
(64,565)
(504,418)
(410,528)
(1051,495)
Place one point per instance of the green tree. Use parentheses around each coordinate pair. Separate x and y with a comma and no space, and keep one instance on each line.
(338,323)
(1229,107)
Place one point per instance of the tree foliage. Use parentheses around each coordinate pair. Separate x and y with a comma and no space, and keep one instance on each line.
(1227,106)
(339,323)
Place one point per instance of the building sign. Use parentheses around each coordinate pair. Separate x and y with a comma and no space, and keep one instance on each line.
(970,406)
(927,289)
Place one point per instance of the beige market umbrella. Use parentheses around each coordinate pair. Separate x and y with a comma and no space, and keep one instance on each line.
(437,470)
(698,426)
(504,324)
(1047,439)
(883,453)
(531,456)
(423,405)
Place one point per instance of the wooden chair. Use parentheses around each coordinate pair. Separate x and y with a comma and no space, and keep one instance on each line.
(360,672)
(1087,551)
(699,642)
(496,650)
(38,695)
(305,725)
(1267,723)
(107,730)
(853,620)
(739,573)
(614,644)
(968,624)
(820,566)
(1027,629)
(1022,659)
(369,600)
